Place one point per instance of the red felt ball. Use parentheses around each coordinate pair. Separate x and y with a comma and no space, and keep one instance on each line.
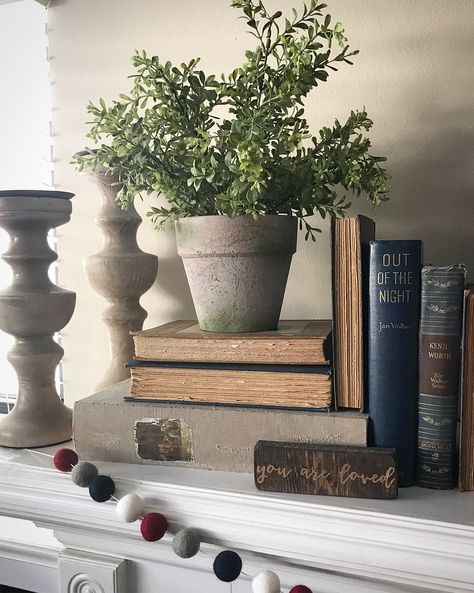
(301,589)
(65,459)
(153,527)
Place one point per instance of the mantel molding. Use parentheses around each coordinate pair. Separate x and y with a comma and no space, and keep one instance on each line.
(385,541)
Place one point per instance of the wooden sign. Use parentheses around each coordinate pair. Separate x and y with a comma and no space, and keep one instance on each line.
(299,468)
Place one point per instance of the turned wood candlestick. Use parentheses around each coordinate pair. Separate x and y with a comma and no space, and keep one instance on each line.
(121,272)
(32,309)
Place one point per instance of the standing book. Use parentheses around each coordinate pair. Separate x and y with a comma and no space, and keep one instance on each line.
(442,295)
(393,324)
(350,238)
(466,452)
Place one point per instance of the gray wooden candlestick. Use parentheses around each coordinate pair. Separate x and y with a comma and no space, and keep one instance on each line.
(121,272)
(32,309)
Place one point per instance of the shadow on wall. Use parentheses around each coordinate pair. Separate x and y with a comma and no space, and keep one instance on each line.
(432,160)
(436,196)
(171,289)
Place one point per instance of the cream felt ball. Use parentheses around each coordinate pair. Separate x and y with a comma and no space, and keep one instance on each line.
(130,508)
(266,582)
(83,473)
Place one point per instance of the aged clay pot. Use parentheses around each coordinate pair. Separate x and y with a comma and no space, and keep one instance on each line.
(237,269)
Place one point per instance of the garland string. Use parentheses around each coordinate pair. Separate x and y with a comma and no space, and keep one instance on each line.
(227,565)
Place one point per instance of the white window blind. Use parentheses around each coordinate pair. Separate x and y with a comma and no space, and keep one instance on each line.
(25,129)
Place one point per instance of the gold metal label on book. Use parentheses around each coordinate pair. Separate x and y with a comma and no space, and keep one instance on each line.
(163,439)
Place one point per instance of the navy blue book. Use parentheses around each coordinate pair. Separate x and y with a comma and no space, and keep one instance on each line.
(392,356)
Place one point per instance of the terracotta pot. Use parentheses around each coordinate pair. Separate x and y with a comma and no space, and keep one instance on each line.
(237,269)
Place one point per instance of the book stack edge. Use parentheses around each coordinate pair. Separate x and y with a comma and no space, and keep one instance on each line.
(286,368)
(107,428)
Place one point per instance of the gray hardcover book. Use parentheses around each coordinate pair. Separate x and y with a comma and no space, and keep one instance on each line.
(442,293)
(107,428)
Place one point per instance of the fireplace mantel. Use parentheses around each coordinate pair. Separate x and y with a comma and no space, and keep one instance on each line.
(423,541)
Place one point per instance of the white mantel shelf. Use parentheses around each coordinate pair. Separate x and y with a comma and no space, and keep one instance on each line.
(423,541)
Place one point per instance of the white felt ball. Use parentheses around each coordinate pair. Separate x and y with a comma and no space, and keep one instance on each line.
(130,507)
(266,582)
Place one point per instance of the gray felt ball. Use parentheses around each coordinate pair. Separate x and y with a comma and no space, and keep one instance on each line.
(83,473)
(186,543)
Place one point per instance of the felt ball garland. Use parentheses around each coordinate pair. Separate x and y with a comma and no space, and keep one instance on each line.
(84,473)
(227,564)
(101,488)
(130,508)
(65,459)
(186,543)
(153,527)
(266,582)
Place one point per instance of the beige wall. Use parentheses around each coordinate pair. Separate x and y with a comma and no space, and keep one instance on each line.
(414,75)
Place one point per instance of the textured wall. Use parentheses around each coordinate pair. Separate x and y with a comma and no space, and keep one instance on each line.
(414,75)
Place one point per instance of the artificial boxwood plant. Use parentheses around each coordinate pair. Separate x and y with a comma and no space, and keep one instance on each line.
(240,144)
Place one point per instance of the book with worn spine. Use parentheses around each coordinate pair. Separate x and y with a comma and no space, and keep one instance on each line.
(466,449)
(294,342)
(442,295)
(393,324)
(282,386)
(107,428)
(350,239)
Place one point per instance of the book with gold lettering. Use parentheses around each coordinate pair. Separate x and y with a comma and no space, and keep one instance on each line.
(442,295)
(392,349)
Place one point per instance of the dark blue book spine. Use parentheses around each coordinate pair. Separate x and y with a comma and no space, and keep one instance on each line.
(320,369)
(392,349)
(442,296)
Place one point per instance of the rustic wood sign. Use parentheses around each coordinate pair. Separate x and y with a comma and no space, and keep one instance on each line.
(299,468)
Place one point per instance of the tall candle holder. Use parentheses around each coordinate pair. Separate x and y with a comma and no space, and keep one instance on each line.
(121,272)
(33,309)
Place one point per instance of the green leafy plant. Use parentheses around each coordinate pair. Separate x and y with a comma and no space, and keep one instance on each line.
(240,145)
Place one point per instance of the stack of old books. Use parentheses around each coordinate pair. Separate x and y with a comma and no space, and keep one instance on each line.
(203,399)
(288,368)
